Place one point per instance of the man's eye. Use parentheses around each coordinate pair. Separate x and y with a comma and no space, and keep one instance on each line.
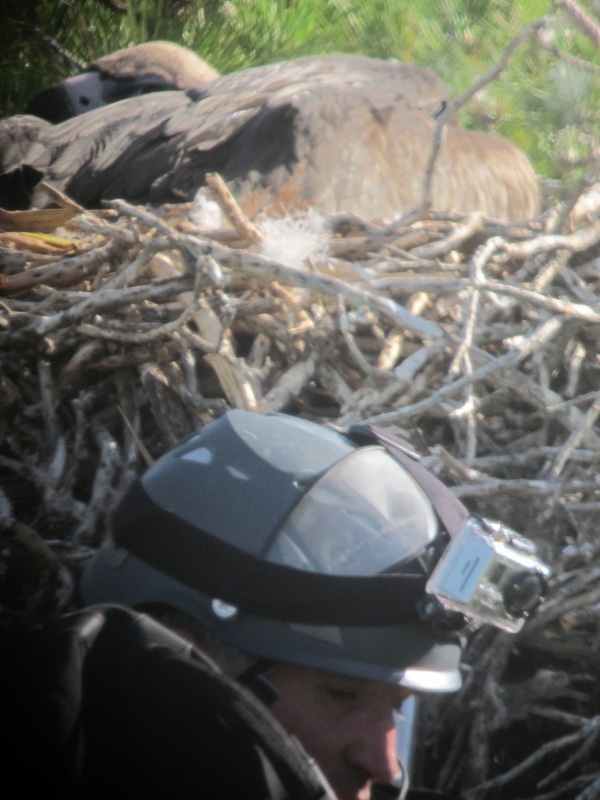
(342,695)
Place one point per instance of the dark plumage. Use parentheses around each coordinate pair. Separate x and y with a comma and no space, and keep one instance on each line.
(355,133)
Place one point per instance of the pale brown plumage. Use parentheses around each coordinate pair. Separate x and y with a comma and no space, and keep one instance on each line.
(178,66)
(354,132)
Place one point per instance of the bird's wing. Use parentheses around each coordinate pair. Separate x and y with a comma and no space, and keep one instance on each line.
(159,146)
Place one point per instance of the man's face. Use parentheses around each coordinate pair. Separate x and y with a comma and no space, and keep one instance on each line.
(345,724)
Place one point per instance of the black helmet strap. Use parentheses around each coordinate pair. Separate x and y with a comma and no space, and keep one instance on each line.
(217,569)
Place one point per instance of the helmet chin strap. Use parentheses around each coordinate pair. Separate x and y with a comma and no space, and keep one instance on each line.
(392,791)
(254,679)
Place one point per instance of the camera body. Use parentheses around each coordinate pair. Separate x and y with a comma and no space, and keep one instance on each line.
(490,574)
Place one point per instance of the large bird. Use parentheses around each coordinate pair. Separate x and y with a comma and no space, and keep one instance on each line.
(143,68)
(351,133)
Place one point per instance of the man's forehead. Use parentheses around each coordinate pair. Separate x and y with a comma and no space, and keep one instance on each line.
(311,675)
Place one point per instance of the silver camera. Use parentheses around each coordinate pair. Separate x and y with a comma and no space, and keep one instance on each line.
(490,574)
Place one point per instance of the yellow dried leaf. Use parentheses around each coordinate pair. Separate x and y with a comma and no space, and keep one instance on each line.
(37,243)
(35,221)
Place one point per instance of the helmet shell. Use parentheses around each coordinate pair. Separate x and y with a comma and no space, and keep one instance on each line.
(237,482)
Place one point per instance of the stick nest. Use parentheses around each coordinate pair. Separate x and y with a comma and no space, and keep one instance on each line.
(125,329)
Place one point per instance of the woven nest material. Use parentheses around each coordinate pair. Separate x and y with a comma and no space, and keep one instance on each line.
(123,330)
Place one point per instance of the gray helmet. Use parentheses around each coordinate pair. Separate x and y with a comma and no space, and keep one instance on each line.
(292,541)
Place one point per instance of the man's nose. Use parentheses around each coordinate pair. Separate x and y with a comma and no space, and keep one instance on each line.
(374,750)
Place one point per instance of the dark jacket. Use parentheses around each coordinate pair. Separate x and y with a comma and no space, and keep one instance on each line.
(108,703)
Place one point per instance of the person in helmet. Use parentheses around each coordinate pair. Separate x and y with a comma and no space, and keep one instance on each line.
(283,538)
(297,558)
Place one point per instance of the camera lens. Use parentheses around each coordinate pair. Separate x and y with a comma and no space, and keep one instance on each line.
(524,593)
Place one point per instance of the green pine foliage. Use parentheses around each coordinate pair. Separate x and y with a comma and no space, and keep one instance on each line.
(545,104)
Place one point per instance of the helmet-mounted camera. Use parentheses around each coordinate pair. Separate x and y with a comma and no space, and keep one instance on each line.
(490,574)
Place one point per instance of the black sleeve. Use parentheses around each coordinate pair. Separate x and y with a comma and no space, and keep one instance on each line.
(107,703)
(154,724)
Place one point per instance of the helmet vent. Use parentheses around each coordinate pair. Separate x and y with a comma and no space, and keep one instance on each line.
(223,610)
